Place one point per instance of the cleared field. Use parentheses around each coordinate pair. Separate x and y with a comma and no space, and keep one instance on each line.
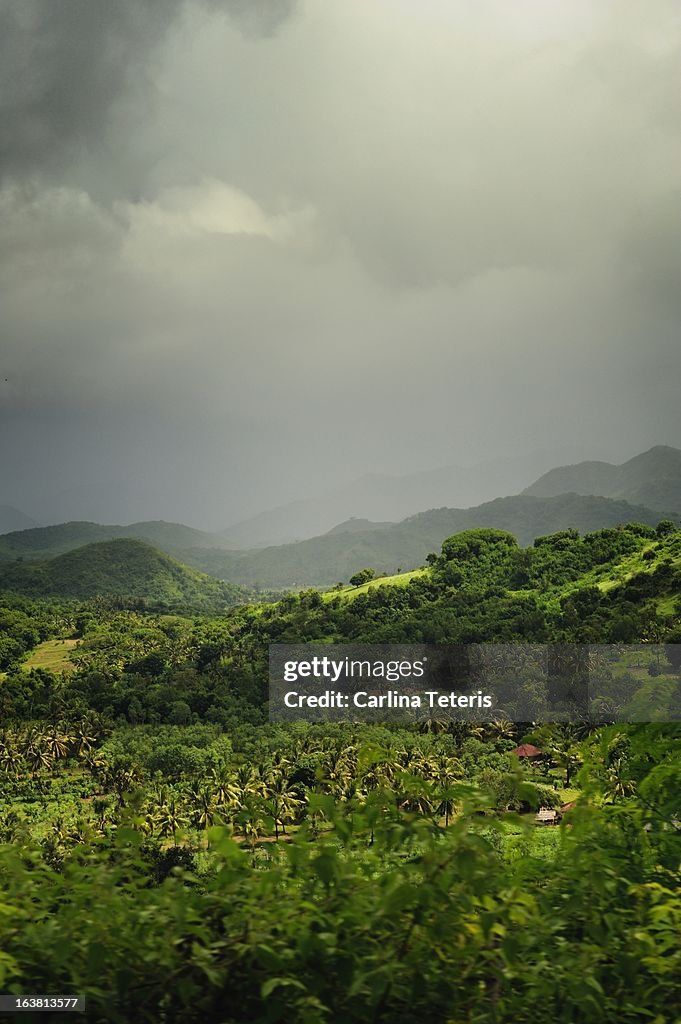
(399,580)
(607,578)
(53,655)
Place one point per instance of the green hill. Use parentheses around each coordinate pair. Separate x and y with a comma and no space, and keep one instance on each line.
(335,556)
(616,585)
(652,479)
(324,561)
(47,541)
(127,569)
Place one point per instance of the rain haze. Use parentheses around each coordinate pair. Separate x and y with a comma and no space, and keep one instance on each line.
(251,251)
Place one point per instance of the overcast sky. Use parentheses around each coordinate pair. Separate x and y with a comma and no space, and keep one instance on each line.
(253,248)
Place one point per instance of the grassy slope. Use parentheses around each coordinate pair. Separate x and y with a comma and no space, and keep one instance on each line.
(398,580)
(54,655)
(605,577)
(666,550)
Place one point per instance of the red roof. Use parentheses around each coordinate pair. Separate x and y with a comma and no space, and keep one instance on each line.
(526,750)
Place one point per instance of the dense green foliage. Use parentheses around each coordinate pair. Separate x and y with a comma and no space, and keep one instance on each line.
(24,623)
(174,857)
(616,585)
(363,576)
(128,569)
(389,912)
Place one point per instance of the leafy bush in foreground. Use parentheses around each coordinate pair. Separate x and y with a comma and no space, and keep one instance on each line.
(419,925)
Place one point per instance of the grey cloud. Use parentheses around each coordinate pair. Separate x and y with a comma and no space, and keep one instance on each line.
(375,242)
(63,66)
(257,18)
(436,144)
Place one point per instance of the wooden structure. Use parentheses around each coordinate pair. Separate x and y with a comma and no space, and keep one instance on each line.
(527,751)
(547,816)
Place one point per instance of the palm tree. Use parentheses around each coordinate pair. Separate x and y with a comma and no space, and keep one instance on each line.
(57,743)
(10,755)
(281,803)
(434,726)
(35,753)
(14,829)
(262,775)
(57,830)
(373,777)
(565,754)
(416,796)
(124,779)
(204,808)
(447,772)
(333,771)
(618,784)
(97,765)
(79,832)
(247,784)
(84,736)
(224,788)
(500,729)
(280,763)
(169,818)
(252,824)
(409,761)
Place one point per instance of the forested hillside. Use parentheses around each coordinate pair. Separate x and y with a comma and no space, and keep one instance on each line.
(323,561)
(127,569)
(617,585)
(333,557)
(141,777)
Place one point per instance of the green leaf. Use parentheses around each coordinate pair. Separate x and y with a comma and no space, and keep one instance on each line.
(269,986)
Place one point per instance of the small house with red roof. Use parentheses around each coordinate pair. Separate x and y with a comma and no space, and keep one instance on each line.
(527,751)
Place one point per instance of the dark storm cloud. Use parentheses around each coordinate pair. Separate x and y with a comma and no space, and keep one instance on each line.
(64,63)
(246,255)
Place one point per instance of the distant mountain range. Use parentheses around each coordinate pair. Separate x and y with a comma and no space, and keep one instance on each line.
(652,478)
(13,519)
(333,557)
(377,497)
(46,541)
(325,560)
(558,500)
